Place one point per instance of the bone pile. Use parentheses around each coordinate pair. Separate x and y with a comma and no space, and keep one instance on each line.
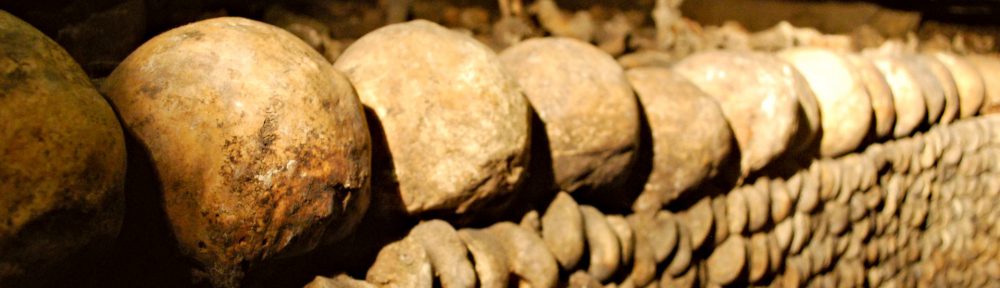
(876,171)
(917,210)
(542,161)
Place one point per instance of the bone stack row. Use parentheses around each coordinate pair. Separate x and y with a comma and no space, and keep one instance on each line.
(877,216)
(264,150)
(914,210)
(839,156)
(831,147)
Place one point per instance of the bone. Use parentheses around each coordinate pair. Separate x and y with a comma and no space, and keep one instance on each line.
(845,107)
(688,279)
(838,217)
(784,233)
(881,95)
(681,261)
(758,256)
(526,254)
(699,219)
(759,204)
(447,253)
(402,264)
(662,234)
(809,196)
(907,95)
(644,262)
(531,221)
(948,86)
(720,216)
(605,251)
(736,210)
(490,259)
(775,254)
(971,89)
(339,281)
(989,68)
(932,89)
(830,179)
(727,260)
(802,231)
(580,279)
(626,238)
(781,202)
(563,230)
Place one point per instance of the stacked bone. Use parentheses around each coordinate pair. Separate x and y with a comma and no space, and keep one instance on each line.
(844,160)
(903,212)
(250,167)
(875,217)
(567,237)
(957,246)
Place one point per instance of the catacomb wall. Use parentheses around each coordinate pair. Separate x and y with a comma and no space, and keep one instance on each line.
(405,143)
(916,211)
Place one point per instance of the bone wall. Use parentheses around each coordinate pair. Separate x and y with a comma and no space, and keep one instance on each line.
(916,211)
